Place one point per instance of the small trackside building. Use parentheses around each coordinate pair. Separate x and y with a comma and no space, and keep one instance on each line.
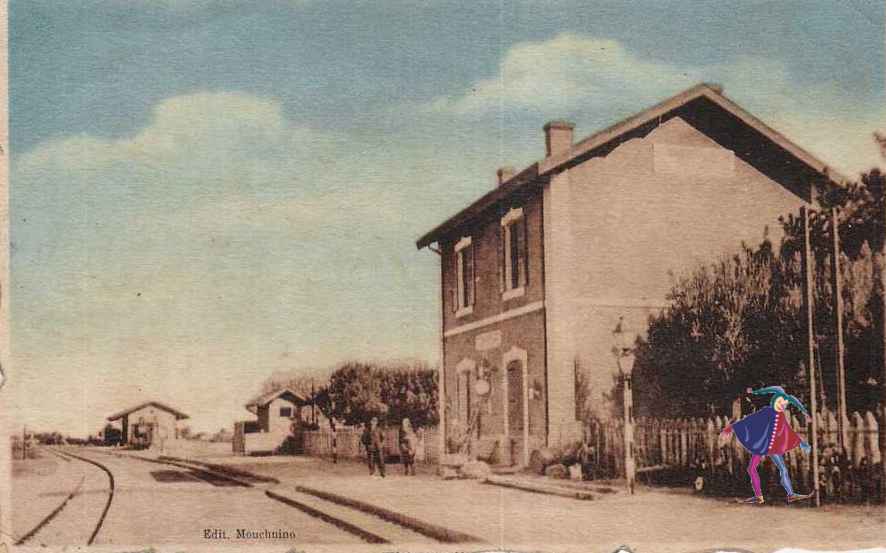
(148,424)
(278,416)
(537,272)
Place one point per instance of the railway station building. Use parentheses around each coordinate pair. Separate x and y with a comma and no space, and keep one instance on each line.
(536,273)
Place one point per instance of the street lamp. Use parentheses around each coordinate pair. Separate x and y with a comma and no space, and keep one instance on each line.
(624,357)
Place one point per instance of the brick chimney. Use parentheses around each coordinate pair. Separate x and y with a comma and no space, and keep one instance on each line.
(558,137)
(504,174)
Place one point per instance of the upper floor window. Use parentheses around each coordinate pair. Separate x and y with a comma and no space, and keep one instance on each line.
(286,412)
(464,259)
(514,266)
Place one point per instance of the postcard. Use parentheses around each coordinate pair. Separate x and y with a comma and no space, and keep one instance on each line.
(395,276)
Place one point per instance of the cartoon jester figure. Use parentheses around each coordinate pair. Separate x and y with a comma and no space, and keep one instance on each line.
(768,433)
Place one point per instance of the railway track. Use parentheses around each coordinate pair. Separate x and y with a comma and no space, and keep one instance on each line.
(77,511)
(377,526)
(367,528)
(53,518)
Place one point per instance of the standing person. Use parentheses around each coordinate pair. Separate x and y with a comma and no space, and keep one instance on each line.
(768,433)
(366,442)
(408,443)
(374,441)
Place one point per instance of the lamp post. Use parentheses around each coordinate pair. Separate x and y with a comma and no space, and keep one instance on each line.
(624,356)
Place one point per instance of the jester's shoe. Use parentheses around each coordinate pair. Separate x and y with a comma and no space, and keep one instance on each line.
(755,500)
(799,497)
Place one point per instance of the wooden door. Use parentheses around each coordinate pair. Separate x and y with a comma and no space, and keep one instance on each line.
(517,438)
(515,399)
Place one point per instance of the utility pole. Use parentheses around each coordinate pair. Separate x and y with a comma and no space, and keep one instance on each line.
(808,267)
(313,403)
(630,461)
(837,283)
(882,268)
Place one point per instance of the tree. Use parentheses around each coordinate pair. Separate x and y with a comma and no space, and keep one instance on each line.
(410,392)
(358,391)
(354,392)
(719,319)
(738,322)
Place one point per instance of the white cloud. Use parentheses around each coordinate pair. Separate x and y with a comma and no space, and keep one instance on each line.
(599,79)
(250,235)
(219,140)
(214,240)
(564,73)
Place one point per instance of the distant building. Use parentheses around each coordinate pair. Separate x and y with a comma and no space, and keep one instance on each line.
(278,416)
(536,273)
(149,424)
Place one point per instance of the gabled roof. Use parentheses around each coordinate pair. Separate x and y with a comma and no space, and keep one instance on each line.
(705,107)
(162,406)
(266,398)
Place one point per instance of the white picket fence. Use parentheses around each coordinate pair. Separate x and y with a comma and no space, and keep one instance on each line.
(682,441)
(689,443)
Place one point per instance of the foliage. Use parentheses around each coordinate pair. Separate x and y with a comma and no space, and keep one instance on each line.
(358,391)
(323,401)
(741,321)
(49,438)
(583,405)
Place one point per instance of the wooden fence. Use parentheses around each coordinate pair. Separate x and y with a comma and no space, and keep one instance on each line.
(347,444)
(692,445)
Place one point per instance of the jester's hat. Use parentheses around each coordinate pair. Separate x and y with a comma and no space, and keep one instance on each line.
(777,392)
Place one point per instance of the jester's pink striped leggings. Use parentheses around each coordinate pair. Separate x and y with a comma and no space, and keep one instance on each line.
(784,476)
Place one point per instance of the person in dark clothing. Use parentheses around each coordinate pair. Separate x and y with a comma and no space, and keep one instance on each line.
(373,440)
(366,442)
(408,443)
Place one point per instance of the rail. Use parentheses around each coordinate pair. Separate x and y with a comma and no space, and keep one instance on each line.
(46,521)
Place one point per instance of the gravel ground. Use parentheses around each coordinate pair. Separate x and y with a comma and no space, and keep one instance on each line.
(40,485)
(652,520)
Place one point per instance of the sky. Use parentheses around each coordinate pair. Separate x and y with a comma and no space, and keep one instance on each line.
(204,193)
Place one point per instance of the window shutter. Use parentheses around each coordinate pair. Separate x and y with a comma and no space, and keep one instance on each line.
(467,398)
(525,251)
(502,273)
(454,285)
(520,237)
(475,275)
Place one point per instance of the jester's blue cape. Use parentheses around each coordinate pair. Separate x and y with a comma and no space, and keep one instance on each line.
(766,432)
